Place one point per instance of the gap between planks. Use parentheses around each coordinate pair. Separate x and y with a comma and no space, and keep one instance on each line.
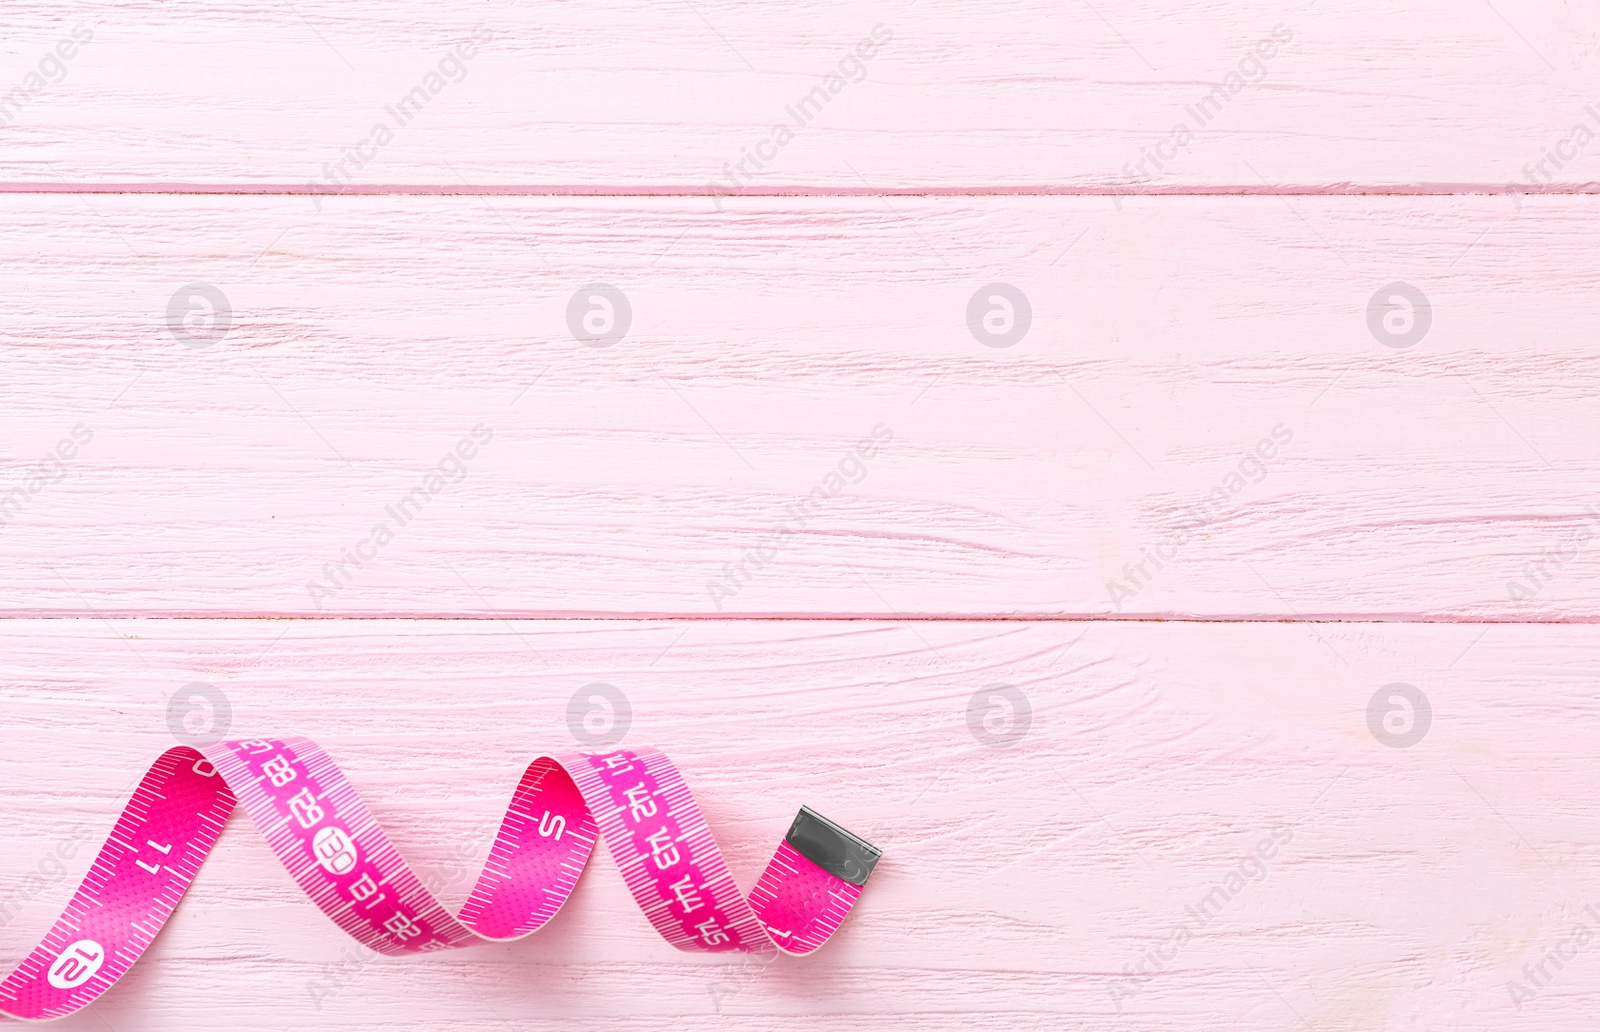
(803,190)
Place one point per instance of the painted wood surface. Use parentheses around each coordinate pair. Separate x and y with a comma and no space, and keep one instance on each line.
(1409,885)
(1216,516)
(1201,420)
(1015,94)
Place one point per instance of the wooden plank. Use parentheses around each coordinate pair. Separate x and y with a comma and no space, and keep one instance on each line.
(1026,94)
(1408,886)
(1199,382)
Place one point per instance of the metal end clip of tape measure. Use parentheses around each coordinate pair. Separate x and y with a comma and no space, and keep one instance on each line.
(325,836)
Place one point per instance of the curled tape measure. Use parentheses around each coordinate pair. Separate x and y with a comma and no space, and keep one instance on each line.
(336,851)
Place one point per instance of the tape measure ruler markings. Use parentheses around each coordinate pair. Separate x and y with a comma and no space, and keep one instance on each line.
(335,850)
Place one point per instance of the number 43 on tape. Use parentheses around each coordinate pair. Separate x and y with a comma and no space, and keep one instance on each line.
(336,851)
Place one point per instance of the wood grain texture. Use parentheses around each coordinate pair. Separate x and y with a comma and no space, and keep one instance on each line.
(1410,886)
(1016,94)
(1431,509)
(1169,340)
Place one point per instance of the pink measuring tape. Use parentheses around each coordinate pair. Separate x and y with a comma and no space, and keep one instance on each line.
(336,851)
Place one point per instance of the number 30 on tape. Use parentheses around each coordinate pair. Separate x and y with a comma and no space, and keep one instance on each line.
(336,851)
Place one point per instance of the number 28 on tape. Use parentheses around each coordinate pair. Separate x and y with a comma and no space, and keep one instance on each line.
(327,838)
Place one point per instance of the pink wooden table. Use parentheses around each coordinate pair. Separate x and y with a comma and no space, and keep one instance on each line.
(1133,462)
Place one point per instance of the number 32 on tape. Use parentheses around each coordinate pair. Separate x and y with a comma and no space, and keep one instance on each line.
(323,833)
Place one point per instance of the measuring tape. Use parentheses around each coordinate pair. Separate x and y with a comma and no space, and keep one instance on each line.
(335,850)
